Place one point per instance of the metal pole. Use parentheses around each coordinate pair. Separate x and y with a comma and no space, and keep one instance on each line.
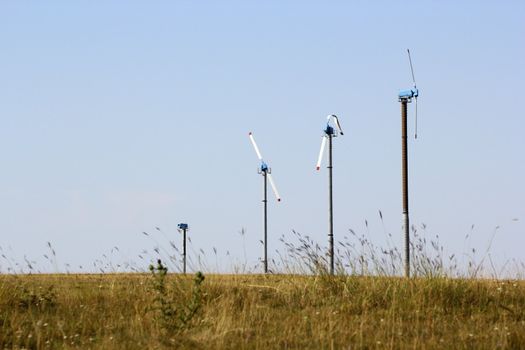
(404,161)
(265,201)
(330,205)
(184,251)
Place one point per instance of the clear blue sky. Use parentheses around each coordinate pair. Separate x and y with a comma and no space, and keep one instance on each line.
(121,116)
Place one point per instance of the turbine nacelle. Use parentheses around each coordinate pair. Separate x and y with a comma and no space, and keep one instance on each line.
(330,131)
(264,168)
(408,94)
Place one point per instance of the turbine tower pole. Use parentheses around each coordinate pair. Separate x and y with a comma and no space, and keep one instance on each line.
(330,206)
(404,165)
(328,134)
(265,218)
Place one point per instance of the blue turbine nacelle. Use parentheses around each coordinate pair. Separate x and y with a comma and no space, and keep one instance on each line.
(408,94)
(264,167)
(329,130)
(183,226)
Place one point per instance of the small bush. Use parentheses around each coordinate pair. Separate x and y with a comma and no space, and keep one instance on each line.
(36,297)
(174,315)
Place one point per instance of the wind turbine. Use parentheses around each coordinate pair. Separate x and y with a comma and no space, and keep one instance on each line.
(265,171)
(405,97)
(329,134)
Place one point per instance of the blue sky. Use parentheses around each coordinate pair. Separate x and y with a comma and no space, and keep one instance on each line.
(119,117)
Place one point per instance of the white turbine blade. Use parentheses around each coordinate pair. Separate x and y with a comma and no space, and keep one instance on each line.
(273,187)
(255,147)
(338,125)
(321,152)
(411,69)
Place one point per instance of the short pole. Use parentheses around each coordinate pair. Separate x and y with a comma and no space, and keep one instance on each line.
(183,228)
(184,251)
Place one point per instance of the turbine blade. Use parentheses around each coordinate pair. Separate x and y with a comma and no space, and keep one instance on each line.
(273,187)
(255,146)
(338,125)
(411,68)
(321,152)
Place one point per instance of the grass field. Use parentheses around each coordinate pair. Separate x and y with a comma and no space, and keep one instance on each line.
(146,311)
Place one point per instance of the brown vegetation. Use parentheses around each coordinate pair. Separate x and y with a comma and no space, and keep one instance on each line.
(122,311)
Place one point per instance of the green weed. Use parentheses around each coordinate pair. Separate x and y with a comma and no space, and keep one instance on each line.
(174,314)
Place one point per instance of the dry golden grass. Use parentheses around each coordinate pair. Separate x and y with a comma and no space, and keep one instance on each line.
(259,312)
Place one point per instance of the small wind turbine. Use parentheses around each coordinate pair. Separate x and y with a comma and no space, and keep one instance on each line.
(329,133)
(405,97)
(265,171)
